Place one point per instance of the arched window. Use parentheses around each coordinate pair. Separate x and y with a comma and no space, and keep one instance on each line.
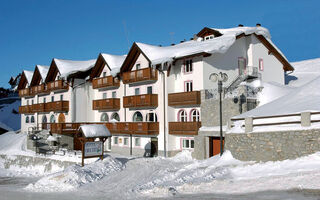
(182,116)
(32,119)
(115,116)
(52,119)
(151,117)
(44,119)
(104,117)
(27,119)
(195,115)
(137,117)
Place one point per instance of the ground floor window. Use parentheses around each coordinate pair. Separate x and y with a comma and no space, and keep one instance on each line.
(126,141)
(187,143)
(115,116)
(115,140)
(52,119)
(137,117)
(104,117)
(137,142)
(32,119)
(27,119)
(44,119)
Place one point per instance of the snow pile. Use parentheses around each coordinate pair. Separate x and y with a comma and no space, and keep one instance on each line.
(95,130)
(68,67)
(28,75)
(75,176)
(12,143)
(221,44)
(305,71)
(114,62)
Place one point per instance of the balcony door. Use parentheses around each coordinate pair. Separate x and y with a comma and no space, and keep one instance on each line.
(61,118)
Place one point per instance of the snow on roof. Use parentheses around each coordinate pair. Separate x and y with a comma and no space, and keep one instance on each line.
(114,62)
(221,44)
(305,71)
(95,130)
(43,71)
(28,75)
(302,99)
(68,67)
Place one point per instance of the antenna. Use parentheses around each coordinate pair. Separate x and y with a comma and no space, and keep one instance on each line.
(126,33)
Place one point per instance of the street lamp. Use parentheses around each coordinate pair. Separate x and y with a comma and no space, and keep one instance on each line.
(220,77)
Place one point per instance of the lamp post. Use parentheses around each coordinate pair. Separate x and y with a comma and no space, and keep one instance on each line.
(220,77)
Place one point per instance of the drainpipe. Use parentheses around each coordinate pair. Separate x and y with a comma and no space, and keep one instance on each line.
(164,113)
(125,117)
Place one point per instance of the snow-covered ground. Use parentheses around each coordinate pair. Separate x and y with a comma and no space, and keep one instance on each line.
(120,177)
(8,119)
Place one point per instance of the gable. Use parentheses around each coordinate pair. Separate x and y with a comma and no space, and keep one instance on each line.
(98,67)
(52,73)
(23,82)
(36,78)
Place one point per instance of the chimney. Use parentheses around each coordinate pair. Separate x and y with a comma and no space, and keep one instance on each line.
(240,25)
(258,25)
(172,44)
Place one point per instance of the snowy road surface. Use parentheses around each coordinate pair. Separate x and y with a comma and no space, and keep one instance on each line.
(180,177)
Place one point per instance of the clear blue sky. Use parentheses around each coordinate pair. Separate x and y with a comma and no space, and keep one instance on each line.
(35,31)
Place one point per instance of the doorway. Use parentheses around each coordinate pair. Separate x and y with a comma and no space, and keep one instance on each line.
(214,146)
(154,147)
(61,118)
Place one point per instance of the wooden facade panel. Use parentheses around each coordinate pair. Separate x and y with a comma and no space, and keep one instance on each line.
(147,74)
(57,85)
(24,92)
(184,128)
(141,101)
(105,82)
(184,99)
(106,104)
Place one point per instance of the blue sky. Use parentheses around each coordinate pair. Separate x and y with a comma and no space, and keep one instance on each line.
(35,31)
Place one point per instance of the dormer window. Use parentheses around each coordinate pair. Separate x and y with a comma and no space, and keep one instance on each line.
(104,74)
(138,66)
(209,37)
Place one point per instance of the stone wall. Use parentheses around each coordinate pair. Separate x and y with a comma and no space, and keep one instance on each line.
(272,146)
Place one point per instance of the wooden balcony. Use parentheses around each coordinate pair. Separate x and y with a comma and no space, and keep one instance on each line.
(184,128)
(141,101)
(141,75)
(25,109)
(184,99)
(58,85)
(57,106)
(126,128)
(105,82)
(25,92)
(106,104)
(39,89)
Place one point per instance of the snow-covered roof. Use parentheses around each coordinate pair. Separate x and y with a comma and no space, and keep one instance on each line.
(302,99)
(221,44)
(43,71)
(28,75)
(68,67)
(114,62)
(305,71)
(95,130)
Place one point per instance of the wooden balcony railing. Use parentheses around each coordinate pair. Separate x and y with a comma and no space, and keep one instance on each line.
(184,99)
(39,89)
(58,85)
(105,82)
(184,128)
(106,104)
(141,101)
(147,74)
(127,128)
(25,109)
(24,92)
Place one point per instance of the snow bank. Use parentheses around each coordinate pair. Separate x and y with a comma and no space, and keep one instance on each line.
(114,62)
(76,176)
(272,91)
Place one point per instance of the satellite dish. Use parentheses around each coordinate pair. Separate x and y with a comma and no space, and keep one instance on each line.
(213,77)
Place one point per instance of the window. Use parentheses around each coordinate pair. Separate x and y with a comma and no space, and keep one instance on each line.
(52,119)
(151,117)
(27,102)
(44,119)
(32,102)
(104,74)
(138,66)
(195,116)
(27,119)
(187,143)
(126,141)
(137,142)
(261,64)
(149,90)
(44,100)
(242,65)
(188,66)
(115,117)
(188,86)
(182,116)
(137,117)
(52,99)
(104,117)
(61,97)
(137,91)
(114,94)
(209,37)
(104,95)
(115,141)
(32,119)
